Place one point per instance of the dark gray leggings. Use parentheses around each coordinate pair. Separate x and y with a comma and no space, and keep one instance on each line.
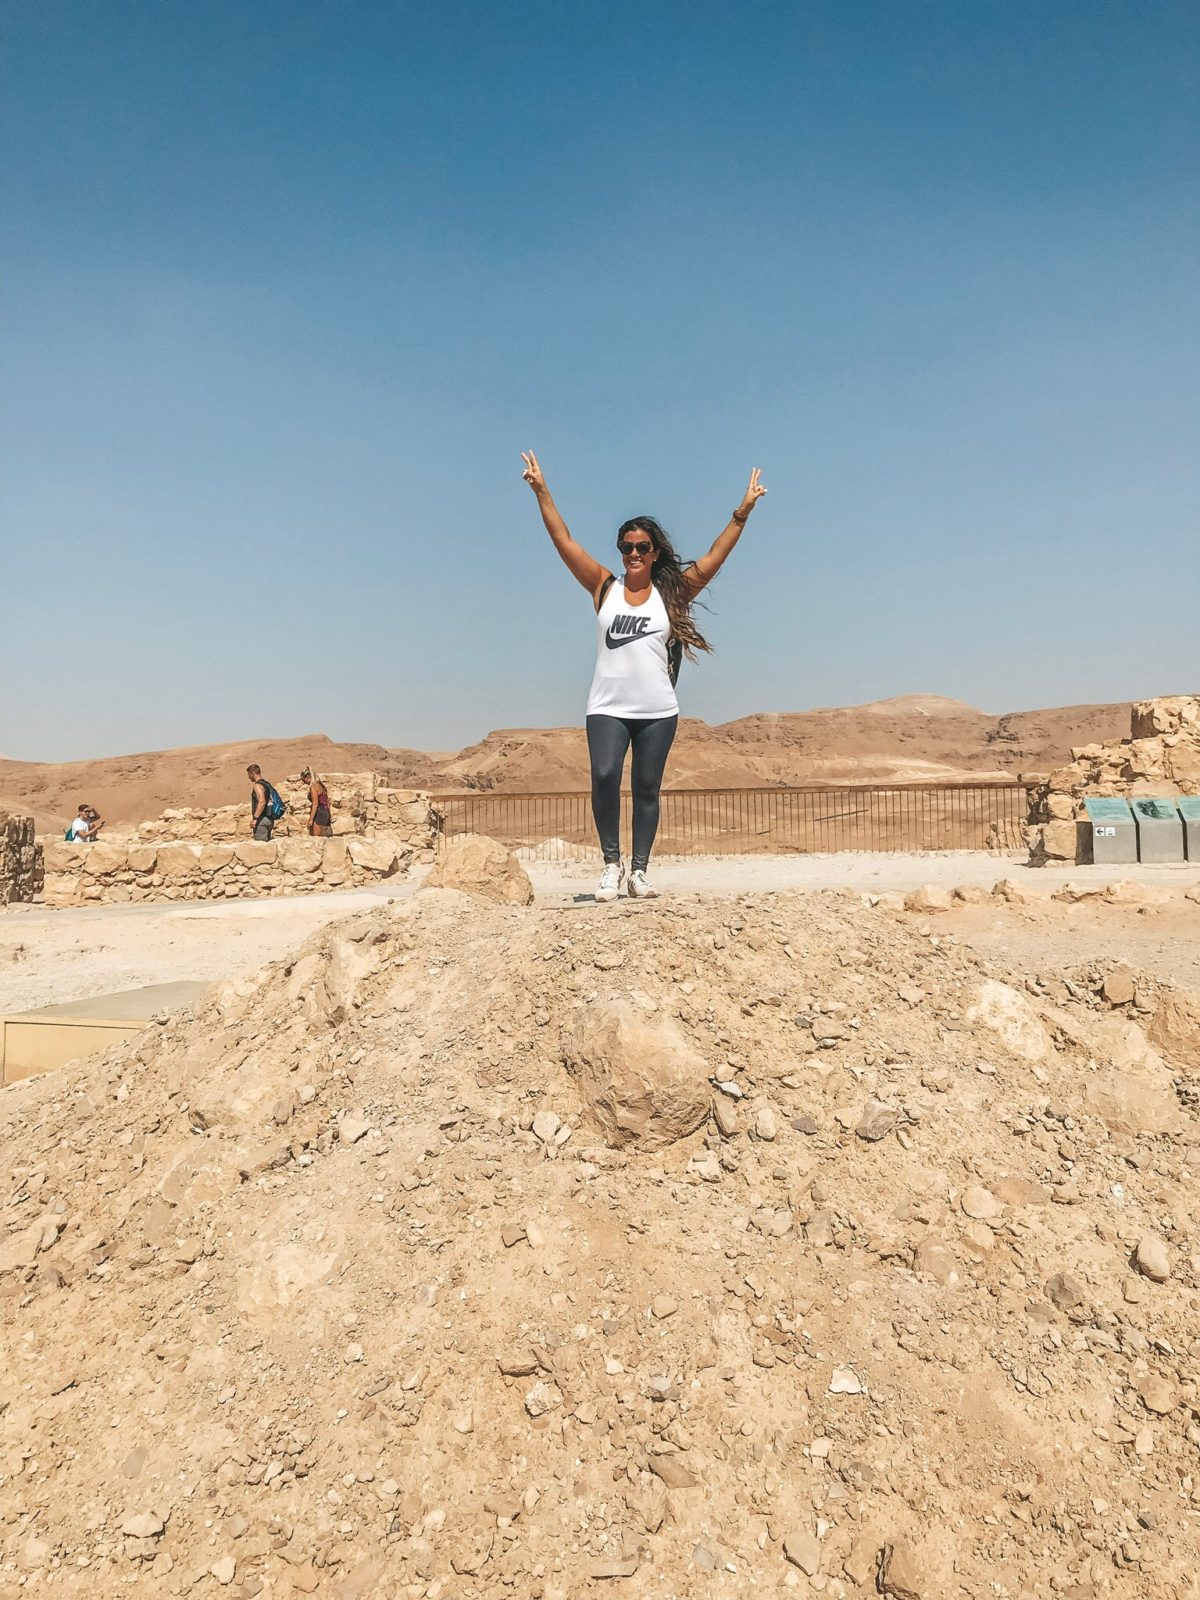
(608,740)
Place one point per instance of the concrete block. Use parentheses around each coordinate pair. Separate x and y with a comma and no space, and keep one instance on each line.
(1159,828)
(1189,811)
(1113,830)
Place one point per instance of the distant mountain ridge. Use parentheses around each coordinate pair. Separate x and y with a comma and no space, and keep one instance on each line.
(912,738)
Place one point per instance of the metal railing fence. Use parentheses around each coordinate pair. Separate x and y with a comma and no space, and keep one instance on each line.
(882,817)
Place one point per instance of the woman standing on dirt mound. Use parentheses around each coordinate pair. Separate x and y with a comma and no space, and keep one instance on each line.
(644,626)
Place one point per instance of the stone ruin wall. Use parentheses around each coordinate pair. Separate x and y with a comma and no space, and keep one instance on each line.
(195,854)
(20,860)
(1160,757)
(361,804)
(123,871)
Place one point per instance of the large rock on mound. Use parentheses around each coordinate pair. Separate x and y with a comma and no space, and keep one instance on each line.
(1175,1027)
(637,1075)
(482,867)
(1006,1012)
(1134,1103)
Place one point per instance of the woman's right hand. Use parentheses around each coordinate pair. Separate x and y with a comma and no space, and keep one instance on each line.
(533,473)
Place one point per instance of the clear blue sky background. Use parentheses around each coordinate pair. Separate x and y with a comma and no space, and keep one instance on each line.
(287,286)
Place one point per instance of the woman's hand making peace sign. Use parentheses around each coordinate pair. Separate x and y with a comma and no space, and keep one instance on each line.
(533,473)
(754,492)
(579,563)
(706,568)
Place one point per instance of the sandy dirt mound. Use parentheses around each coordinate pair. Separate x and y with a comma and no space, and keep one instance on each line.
(338,1286)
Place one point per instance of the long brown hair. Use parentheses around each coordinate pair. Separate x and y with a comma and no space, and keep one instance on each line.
(667,573)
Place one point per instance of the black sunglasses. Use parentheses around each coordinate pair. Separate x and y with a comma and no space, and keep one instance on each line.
(628,548)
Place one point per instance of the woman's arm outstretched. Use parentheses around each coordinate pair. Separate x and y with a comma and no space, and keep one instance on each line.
(582,566)
(705,570)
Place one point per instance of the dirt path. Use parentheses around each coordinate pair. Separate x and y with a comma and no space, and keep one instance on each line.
(1044,937)
(70,954)
(876,874)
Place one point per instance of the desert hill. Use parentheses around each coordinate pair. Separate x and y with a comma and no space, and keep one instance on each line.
(913,738)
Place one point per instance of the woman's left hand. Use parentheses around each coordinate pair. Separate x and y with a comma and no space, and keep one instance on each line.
(754,492)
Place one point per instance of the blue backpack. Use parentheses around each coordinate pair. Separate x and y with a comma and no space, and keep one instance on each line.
(275,806)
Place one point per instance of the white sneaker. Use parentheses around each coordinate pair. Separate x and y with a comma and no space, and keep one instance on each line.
(640,888)
(611,879)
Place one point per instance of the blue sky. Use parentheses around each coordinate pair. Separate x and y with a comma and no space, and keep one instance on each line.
(287,287)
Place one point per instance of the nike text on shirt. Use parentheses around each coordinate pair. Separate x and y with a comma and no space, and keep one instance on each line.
(623,630)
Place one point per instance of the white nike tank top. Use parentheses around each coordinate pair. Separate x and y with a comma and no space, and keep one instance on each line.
(631,677)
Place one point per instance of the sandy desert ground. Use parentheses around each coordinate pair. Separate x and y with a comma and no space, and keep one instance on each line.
(764,1239)
(47,956)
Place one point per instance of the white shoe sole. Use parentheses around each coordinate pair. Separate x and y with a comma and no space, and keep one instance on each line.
(642,894)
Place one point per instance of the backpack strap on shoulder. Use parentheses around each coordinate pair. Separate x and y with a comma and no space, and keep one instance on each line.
(604,588)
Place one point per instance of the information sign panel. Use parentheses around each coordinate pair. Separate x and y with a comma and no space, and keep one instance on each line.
(1106,808)
(1148,809)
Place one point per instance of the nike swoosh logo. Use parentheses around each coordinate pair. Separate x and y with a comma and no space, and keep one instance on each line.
(628,638)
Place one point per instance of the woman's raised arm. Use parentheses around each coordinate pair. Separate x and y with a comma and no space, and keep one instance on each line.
(582,566)
(705,570)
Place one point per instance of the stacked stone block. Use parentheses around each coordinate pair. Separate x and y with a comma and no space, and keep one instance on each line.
(20,859)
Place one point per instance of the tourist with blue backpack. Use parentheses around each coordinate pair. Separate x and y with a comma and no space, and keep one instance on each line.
(86,826)
(266,807)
